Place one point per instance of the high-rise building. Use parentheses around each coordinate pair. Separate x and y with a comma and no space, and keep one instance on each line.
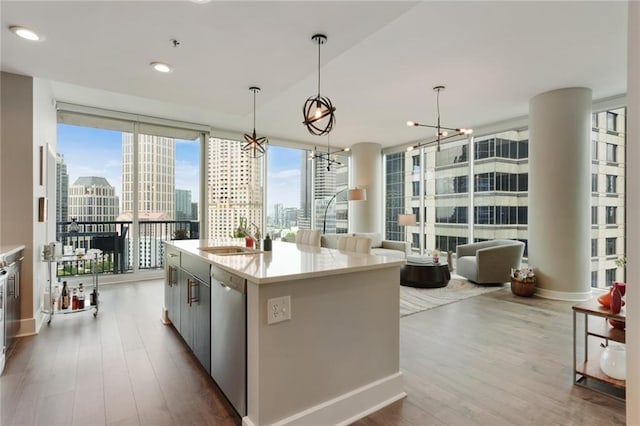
(93,199)
(330,181)
(156,177)
(438,190)
(183,204)
(62,189)
(234,188)
(195,215)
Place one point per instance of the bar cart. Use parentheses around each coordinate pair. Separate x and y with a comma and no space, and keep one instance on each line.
(79,260)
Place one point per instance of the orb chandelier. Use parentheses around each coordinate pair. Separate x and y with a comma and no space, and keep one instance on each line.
(442,132)
(254,145)
(318,111)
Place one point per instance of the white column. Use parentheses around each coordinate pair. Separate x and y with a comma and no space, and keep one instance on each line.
(560,192)
(366,172)
(633,207)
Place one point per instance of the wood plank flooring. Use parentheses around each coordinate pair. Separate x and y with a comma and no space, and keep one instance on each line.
(122,368)
(495,359)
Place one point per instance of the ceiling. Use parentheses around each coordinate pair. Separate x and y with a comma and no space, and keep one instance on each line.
(379,65)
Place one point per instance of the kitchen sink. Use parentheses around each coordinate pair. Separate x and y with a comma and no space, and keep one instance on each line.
(229,250)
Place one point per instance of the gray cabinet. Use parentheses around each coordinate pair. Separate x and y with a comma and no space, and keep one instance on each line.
(172,286)
(187,314)
(188,300)
(202,325)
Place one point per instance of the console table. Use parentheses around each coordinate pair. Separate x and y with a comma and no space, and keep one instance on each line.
(587,372)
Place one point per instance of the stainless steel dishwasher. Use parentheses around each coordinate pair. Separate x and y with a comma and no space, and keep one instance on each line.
(229,336)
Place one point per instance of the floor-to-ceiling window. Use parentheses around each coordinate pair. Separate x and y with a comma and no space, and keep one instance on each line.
(497,207)
(234,190)
(127,197)
(608,141)
(289,196)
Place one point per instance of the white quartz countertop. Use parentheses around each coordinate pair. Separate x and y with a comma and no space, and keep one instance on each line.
(9,250)
(287,261)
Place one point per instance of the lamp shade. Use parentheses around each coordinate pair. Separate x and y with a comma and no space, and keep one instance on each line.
(357,194)
(406,219)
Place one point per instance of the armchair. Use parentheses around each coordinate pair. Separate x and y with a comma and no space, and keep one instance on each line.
(489,262)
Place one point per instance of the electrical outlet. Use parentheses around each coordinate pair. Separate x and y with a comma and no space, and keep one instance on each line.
(278,309)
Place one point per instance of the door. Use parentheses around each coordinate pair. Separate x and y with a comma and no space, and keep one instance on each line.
(202,325)
(187,283)
(172,295)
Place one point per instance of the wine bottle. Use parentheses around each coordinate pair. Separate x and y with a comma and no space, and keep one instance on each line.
(74,299)
(65,296)
(81,298)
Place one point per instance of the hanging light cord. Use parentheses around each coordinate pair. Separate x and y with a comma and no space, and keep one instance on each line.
(254,111)
(319,44)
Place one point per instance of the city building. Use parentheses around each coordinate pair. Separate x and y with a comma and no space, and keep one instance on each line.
(92,199)
(156,176)
(183,205)
(62,189)
(234,188)
(447,216)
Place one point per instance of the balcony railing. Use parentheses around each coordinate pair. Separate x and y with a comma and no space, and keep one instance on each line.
(116,241)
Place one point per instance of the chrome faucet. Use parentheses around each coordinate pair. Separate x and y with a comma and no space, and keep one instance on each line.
(254,237)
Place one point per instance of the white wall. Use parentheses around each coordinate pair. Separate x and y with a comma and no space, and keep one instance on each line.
(366,172)
(44,135)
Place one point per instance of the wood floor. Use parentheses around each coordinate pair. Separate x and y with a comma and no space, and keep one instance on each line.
(494,359)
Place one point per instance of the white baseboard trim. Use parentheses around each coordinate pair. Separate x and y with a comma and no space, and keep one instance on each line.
(41,318)
(349,407)
(564,295)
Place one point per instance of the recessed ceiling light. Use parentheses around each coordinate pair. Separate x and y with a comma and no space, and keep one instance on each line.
(25,33)
(161,67)
(201,1)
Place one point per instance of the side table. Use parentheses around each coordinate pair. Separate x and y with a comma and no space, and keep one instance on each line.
(423,272)
(587,372)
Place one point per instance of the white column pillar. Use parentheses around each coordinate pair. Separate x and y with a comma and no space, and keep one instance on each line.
(633,207)
(366,172)
(560,192)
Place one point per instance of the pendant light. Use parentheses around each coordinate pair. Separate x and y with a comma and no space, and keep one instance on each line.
(254,145)
(442,132)
(318,112)
(329,156)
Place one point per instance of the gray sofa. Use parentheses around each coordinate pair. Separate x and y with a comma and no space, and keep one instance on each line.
(380,247)
(489,262)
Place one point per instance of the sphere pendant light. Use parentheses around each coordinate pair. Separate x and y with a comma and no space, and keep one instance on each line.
(318,111)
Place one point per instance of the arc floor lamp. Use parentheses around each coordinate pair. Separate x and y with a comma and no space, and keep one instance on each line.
(355,194)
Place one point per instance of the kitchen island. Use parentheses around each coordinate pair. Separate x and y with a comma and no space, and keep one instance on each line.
(336,359)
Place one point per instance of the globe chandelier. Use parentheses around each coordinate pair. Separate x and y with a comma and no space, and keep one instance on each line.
(442,132)
(254,146)
(318,111)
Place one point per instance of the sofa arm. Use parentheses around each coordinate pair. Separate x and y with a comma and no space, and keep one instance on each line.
(402,246)
(495,263)
(466,250)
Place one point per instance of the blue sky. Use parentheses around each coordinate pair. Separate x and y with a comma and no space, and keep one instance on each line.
(98,152)
(283,176)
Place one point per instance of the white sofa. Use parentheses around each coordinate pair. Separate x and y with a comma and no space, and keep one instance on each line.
(380,247)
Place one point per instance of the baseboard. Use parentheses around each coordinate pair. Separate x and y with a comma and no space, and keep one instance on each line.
(27,327)
(564,295)
(41,318)
(349,407)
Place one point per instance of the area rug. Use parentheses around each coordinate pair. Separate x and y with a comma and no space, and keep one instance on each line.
(414,300)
